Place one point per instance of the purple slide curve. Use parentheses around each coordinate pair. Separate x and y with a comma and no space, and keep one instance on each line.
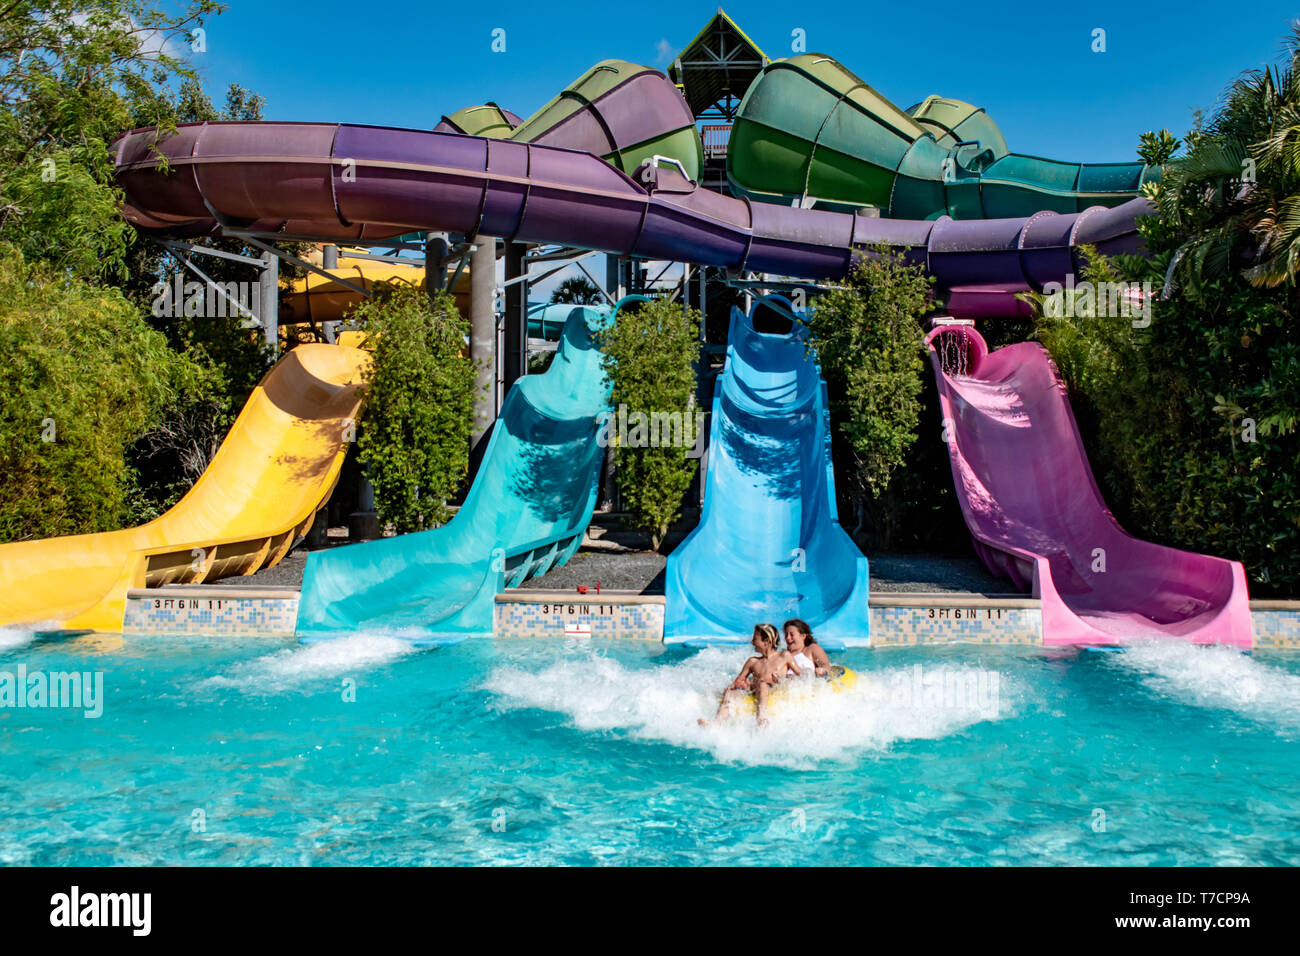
(1037,517)
(325,182)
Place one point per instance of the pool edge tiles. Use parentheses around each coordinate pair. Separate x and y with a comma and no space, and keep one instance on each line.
(1276,625)
(209,610)
(613,615)
(898,619)
(910,618)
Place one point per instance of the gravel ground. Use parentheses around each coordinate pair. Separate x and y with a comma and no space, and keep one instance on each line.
(286,574)
(930,572)
(643,571)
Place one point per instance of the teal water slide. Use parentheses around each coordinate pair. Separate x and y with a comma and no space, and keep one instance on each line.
(769,545)
(526,513)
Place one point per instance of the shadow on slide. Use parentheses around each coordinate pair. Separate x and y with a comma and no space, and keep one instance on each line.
(527,512)
(769,545)
(1033,508)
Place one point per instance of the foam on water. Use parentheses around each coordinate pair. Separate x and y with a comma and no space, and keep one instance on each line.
(11,637)
(1218,678)
(297,667)
(814,722)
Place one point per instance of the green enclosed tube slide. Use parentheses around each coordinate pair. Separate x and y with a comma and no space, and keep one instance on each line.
(624,113)
(810,131)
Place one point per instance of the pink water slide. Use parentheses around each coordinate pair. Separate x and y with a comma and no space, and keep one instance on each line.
(1037,517)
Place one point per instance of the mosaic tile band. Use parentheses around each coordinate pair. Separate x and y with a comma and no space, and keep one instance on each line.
(220,612)
(244,612)
(893,626)
(1276,629)
(584,617)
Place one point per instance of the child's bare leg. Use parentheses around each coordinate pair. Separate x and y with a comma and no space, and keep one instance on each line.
(760,693)
(724,706)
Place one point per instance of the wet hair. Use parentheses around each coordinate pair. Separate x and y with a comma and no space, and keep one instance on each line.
(802,627)
(769,634)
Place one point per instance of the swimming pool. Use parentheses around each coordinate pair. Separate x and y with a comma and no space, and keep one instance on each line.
(365,751)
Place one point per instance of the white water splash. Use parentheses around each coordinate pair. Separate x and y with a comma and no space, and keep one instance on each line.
(11,637)
(814,721)
(293,667)
(1217,677)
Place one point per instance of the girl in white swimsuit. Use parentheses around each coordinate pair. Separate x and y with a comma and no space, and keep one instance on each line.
(804,650)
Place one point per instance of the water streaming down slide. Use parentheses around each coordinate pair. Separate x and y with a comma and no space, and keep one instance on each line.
(526,512)
(769,545)
(1033,508)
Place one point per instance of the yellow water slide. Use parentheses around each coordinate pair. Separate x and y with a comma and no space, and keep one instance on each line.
(274,471)
(315,298)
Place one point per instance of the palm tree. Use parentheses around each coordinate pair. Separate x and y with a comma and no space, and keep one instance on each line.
(1236,194)
(576,291)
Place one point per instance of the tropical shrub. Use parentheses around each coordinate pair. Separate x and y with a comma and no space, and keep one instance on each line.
(1193,423)
(83,377)
(650,355)
(415,432)
(869,338)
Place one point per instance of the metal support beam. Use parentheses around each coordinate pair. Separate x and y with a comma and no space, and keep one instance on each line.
(483,338)
(287,257)
(704,312)
(269,302)
(465,250)
(609,298)
(189,247)
(400,260)
(516,316)
(236,308)
(436,251)
(614,277)
(566,253)
(526,276)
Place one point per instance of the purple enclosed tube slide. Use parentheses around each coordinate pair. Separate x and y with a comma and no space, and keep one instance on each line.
(329,182)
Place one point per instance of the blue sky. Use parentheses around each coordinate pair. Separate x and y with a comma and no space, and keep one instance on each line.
(405,64)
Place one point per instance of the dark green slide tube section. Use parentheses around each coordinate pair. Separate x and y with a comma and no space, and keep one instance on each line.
(810,131)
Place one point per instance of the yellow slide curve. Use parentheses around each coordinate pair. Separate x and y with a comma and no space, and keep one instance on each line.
(314,298)
(275,470)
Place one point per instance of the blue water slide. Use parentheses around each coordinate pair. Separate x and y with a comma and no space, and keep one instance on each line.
(546,320)
(769,545)
(526,513)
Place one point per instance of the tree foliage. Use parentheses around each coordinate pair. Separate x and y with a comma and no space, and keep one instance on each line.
(870,343)
(650,354)
(83,377)
(577,290)
(1234,199)
(69,73)
(414,435)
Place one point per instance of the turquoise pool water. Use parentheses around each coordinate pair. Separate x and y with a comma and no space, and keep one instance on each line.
(364,751)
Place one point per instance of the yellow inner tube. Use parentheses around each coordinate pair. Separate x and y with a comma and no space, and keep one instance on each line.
(841,679)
